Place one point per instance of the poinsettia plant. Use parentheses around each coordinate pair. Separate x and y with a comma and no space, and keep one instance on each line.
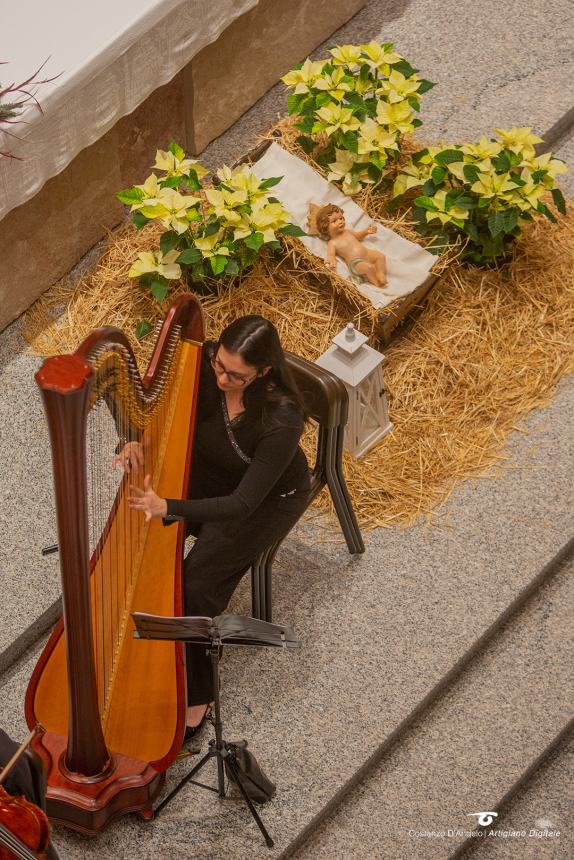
(483,193)
(354,109)
(211,231)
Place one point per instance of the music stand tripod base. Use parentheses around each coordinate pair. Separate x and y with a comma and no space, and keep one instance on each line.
(213,633)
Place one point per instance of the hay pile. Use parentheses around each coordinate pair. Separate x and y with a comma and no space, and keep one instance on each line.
(489,346)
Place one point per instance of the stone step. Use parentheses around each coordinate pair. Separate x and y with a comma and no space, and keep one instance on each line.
(544,803)
(467,752)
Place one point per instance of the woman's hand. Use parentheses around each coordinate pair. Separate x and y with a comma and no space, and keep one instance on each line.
(131,457)
(147,501)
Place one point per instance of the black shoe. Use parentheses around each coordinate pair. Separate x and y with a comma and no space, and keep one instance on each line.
(192,731)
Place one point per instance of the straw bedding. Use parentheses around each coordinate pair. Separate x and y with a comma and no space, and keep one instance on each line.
(488,347)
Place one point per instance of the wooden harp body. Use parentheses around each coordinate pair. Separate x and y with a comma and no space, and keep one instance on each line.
(111,707)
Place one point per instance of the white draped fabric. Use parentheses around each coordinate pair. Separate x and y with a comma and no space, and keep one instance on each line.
(408,265)
(109,55)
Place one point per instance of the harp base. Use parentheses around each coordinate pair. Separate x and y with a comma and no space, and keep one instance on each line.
(129,786)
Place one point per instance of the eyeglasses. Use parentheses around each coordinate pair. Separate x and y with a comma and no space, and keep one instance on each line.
(237,378)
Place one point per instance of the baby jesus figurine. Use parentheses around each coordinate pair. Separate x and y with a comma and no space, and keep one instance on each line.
(365,264)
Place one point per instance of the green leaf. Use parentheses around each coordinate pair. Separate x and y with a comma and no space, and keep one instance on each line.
(140,220)
(292,230)
(425,202)
(414,102)
(232,267)
(371,106)
(449,156)
(159,289)
(176,150)
(559,201)
(470,172)
(189,256)
(438,174)
(457,197)
(198,271)
(416,122)
(269,183)
(218,264)
(171,182)
(254,241)
(404,68)
(350,141)
(294,102)
(322,99)
(510,219)
(419,214)
(129,196)
(142,328)
(471,230)
(355,99)
(537,175)
(416,156)
(191,181)
(307,144)
(365,72)
(374,172)
(428,188)
(248,255)
(306,125)
(212,227)
(169,241)
(548,212)
(496,223)
(501,162)
(425,86)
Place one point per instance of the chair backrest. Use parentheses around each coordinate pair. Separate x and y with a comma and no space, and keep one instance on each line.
(325,395)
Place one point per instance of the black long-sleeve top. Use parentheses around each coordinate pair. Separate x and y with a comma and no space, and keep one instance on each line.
(224,486)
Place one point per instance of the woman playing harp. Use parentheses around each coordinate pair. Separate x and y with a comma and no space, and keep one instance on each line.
(249,482)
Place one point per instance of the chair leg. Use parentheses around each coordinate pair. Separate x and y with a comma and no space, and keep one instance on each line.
(339,492)
(255,589)
(266,581)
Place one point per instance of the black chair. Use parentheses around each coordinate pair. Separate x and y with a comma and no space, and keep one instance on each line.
(328,403)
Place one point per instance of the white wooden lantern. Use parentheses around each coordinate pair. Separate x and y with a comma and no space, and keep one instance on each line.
(361,369)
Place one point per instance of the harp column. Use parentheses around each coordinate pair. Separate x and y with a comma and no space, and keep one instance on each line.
(65,382)
(360,367)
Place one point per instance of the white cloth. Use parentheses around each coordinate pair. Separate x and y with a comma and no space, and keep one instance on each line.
(111,54)
(408,264)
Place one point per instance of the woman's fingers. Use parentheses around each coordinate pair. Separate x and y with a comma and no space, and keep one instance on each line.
(136,455)
(147,484)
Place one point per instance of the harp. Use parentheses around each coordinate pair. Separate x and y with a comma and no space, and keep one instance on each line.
(112,708)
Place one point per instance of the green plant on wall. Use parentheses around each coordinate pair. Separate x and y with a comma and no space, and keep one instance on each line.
(353,110)
(483,193)
(210,231)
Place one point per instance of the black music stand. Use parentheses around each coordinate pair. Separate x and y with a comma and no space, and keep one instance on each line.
(213,633)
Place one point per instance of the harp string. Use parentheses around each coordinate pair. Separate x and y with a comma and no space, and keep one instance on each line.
(117,533)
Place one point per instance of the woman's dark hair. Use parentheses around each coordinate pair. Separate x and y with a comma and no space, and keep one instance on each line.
(256,340)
